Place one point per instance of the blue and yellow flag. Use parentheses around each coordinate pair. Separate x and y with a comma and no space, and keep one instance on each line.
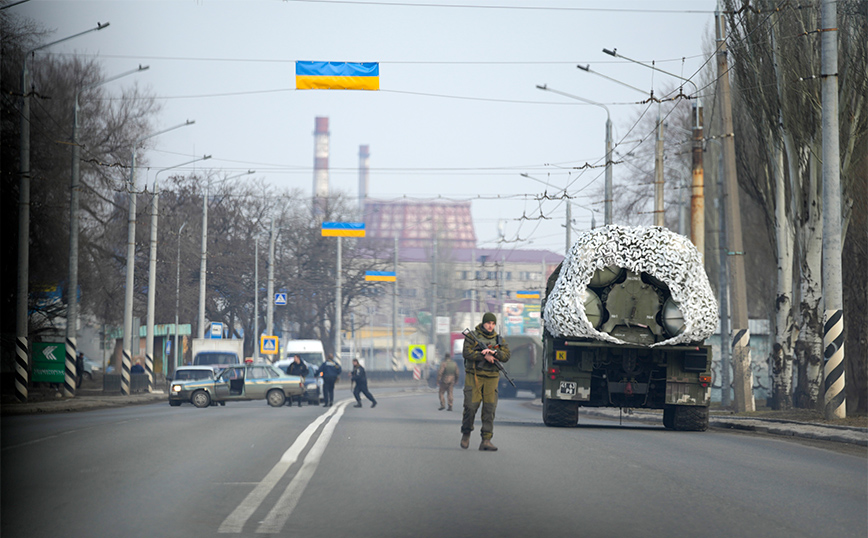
(381,276)
(343,229)
(337,76)
(527,294)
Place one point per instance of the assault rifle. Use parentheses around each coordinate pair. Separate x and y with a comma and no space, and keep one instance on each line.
(468,334)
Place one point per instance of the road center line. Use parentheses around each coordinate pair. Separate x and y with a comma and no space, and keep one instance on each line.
(236,520)
(284,506)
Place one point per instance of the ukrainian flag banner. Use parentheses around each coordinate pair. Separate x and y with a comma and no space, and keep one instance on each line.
(527,294)
(337,76)
(381,276)
(343,229)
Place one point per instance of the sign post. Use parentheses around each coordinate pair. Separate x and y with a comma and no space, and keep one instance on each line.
(339,230)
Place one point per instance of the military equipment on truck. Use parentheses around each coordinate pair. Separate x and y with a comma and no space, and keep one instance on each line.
(626,314)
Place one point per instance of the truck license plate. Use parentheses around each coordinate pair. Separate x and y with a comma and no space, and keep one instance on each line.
(567,387)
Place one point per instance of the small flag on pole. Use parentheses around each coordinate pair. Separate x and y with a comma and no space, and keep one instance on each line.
(527,294)
(337,76)
(343,229)
(381,276)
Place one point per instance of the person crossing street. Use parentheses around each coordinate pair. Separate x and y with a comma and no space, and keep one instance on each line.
(480,381)
(329,371)
(360,378)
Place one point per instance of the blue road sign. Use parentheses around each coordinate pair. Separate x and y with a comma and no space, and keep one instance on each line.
(280,299)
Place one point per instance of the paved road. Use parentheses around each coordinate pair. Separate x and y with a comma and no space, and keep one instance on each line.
(249,470)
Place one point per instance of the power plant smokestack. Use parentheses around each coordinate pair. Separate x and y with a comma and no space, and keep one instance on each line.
(321,164)
(364,168)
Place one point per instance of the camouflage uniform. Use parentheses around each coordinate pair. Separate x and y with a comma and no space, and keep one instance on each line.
(447,376)
(480,382)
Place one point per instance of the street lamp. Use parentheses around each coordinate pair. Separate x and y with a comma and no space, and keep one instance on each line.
(72,285)
(609,147)
(22,289)
(131,255)
(697,197)
(152,275)
(204,264)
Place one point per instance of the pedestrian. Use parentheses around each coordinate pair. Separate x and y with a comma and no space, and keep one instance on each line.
(299,368)
(329,372)
(79,369)
(447,376)
(481,378)
(137,367)
(360,378)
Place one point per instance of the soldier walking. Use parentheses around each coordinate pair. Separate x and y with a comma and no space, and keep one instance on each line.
(446,378)
(329,371)
(480,382)
(360,378)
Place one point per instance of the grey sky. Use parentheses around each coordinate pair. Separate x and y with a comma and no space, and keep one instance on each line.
(458,114)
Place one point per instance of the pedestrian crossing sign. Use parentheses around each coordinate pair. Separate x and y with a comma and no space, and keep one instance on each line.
(268,345)
(416,354)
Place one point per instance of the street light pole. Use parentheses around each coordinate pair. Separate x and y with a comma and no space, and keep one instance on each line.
(609,148)
(72,282)
(23,286)
(152,275)
(131,255)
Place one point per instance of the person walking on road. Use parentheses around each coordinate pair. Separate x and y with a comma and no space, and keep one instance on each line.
(79,369)
(480,382)
(447,376)
(360,378)
(299,368)
(329,372)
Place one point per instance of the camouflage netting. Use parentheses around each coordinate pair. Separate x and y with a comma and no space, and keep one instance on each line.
(667,256)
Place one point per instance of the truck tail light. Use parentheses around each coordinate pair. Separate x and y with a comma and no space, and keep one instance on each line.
(553,373)
(705,380)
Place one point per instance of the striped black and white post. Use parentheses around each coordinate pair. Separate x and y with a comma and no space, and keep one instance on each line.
(126,364)
(149,369)
(21,374)
(69,373)
(833,370)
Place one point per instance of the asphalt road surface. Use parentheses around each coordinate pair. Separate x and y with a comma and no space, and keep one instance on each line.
(250,470)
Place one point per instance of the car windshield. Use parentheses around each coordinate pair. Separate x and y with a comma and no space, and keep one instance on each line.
(186,375)
(216,358)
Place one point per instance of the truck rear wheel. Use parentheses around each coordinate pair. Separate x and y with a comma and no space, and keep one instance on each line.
(560,413)
(685,418)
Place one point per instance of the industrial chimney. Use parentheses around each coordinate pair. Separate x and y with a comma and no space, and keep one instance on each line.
(321,164)
(364,168)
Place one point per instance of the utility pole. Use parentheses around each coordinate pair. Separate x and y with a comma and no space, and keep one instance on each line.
(569,225)
(338,300)
(659,214)
(432,348)
(833,316)
(697,190)
(742,374)
(395,309)
(723,279)
(256,297)
(203,262)
(269,296)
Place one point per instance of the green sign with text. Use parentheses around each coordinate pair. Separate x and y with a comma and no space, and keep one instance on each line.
(49,362)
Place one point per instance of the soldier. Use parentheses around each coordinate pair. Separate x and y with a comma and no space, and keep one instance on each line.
(329,371)
(299,368)
(481,378)
(447,376)
(360,378)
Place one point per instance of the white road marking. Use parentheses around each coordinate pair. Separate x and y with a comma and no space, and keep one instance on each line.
(234,522)
(284,506)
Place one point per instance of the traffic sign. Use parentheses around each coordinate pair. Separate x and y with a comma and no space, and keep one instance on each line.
(416,354)
(280,299)
(49,362)
(216,330)
(268,345)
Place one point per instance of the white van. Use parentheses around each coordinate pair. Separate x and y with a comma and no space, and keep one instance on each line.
(313,354)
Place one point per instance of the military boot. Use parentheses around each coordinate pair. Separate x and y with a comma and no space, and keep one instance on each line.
(465,440)
(486,445)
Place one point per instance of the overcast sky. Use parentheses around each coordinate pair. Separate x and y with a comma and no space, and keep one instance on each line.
(458,114)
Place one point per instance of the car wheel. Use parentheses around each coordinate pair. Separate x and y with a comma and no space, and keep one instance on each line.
(276,398)
(174,403)
(201,399)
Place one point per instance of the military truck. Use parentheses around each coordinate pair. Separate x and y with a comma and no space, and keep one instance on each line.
(626,314)
(524,366)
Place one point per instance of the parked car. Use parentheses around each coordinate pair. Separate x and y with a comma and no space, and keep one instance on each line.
(252,381)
